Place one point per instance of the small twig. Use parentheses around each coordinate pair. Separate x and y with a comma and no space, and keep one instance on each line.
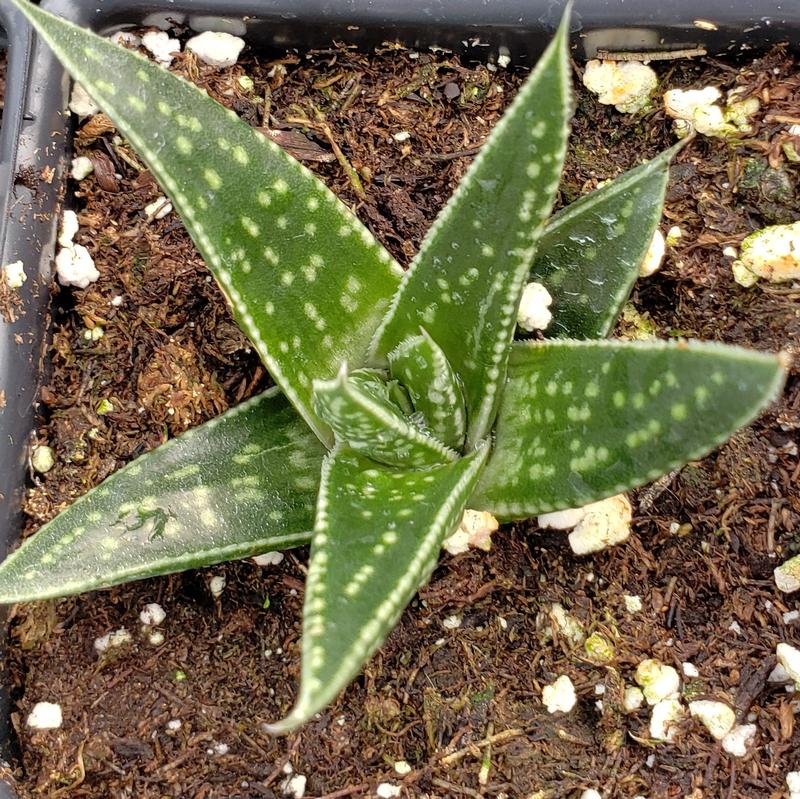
(775,506)
(81,773)
(732,783)
(654,491)
(673,581)
(351,95)
(278,770)
(187,755)
(784,291)
(250,742)
(713,760)
(131,162)
(351,789)
(325,130)
(486,761)
(167,694)
(113,767)
(500,737)
(352,175)
(789,120)
(650,55)
(157,210)
(752,688)
(573,739)
(453,788)
(457,154)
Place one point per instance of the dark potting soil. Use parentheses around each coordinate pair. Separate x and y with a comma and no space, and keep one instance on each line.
(3,62)
(447,701)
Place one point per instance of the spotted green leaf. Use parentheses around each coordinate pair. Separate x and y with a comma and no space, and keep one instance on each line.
(581,421)
(589,254)
(376,540)
(422,368)
(243,483)
(307,282)
(464,286)
(364,417)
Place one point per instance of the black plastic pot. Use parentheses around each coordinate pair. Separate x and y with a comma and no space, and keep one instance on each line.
(25,234)
(35,137)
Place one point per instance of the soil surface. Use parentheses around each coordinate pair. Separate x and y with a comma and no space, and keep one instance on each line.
(462,706)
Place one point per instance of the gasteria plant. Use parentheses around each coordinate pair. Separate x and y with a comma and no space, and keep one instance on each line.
(405,392)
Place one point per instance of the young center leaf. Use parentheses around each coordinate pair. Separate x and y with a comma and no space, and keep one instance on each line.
(433,387)
(373,425)
(465,283)
(307,281)
(581,421)
(589,254)
(377,538)
(243,483)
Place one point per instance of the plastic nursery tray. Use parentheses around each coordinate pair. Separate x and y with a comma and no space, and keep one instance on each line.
(15,200)
(25,229)
(35,137)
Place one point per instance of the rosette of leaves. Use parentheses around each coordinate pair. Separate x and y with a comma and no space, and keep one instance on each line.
(401,398)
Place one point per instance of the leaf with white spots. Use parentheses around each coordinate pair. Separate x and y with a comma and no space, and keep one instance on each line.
(589,254)
(581,421)
(307,281)
(421,367)
(376,540)
(360,412)
(243,483)
(464,286)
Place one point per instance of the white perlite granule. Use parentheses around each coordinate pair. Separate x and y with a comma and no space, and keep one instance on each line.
(216,49)
(45,716)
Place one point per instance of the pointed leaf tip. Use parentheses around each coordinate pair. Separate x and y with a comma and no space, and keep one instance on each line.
(377,537)
(241,484)
(590,252)
(582,420)
(465,283)
(306,300)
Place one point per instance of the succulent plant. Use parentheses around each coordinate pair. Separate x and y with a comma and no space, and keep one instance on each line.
(401,398)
